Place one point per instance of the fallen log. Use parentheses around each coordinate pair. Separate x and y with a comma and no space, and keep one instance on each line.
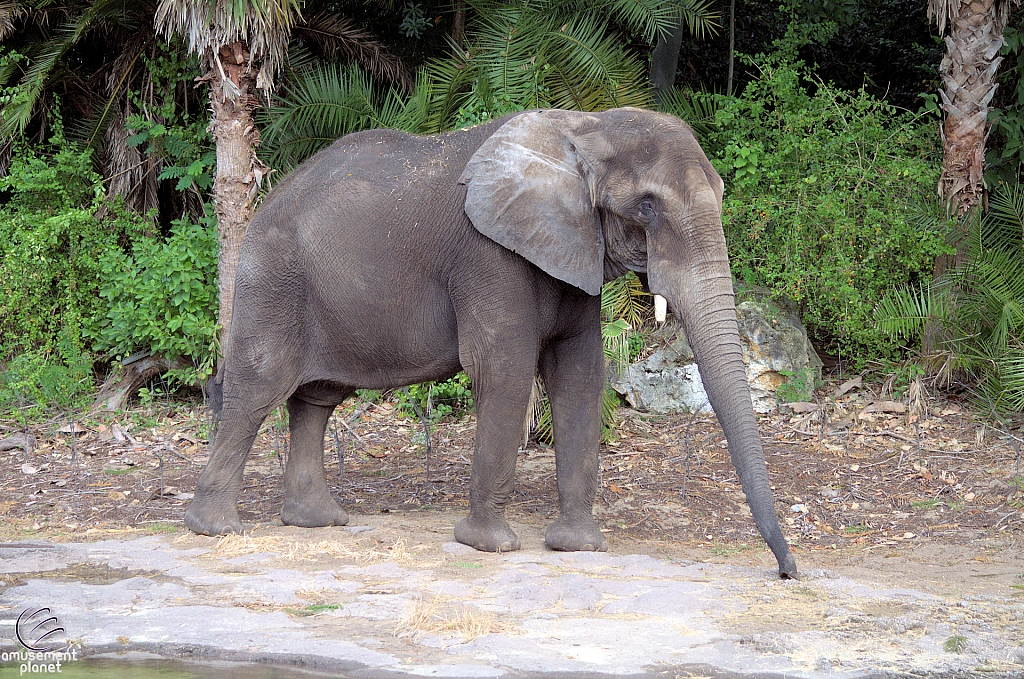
(129,377)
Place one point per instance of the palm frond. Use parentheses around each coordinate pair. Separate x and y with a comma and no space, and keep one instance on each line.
(334,35)
(10,12)
(647,20)
(700,19)
(589,69)
(993,295)
(264,25)
(325,103)
(90,130)
(908,309)
(1007,390)
(44,60)
(625,298)
(18,112)
(449,83)
(697,109)
(319,106)
(542,424)
(505,50)
(1003,226)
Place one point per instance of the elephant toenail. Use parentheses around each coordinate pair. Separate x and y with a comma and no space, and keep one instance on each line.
(505,547)
(587,548)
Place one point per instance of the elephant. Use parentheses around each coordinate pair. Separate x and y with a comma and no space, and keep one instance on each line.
(389,259)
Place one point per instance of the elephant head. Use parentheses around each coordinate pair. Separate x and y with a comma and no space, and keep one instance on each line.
(588,196)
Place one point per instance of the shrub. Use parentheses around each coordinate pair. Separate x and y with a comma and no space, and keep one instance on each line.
(72,283)
(162,297)
(436,399)
(50,271)
(824,187)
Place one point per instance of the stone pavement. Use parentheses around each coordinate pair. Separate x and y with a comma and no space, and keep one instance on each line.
(374,601)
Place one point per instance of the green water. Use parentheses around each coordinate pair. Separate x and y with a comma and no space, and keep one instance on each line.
(105,668)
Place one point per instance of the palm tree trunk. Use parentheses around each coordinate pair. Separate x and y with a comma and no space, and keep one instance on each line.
(239,171)
(969,82)
(665,60)
(459,23)
(732,45)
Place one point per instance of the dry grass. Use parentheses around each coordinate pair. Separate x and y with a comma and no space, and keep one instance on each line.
(235,545)
(444,615)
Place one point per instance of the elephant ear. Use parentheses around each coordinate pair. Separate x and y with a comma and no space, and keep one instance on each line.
(529,188)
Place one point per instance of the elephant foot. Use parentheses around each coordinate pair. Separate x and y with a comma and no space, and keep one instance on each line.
(209,516)
(494,535)
(313,511)
(580,535)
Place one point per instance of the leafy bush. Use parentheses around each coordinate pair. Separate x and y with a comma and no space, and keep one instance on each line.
(68,288)
(824,190)
(163,297)
(436,399)
(50,271)
(974,314)
(179,142)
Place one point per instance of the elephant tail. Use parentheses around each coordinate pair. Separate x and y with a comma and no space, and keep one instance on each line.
(215,399)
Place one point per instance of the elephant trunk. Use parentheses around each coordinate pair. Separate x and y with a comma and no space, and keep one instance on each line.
(701,293)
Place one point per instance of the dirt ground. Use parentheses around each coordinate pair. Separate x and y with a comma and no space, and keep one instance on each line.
(855,485)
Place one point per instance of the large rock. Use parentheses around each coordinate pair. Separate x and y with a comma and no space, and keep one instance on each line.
(774,342)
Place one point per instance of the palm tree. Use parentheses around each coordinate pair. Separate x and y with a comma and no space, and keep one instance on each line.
(969,83)
(693,16)
(978,309)
(241,45)
(84,55)
(516,55)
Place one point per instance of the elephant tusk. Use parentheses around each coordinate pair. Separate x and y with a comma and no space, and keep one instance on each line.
(660,308)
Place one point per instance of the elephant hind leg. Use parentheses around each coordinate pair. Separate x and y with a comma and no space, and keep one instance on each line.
(214,510)
(250,391)
(307,499)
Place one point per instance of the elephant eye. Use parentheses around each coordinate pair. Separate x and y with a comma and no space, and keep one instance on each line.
(646,210)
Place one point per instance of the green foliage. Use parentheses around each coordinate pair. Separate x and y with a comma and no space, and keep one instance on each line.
(436,399)
(624,311)
(974,314)
(697,109)
(162,297)
(170,134)
(414,23)
(50,271)
(56,375)
(799,385)
(69,288)
(544,431)
(905,374)
(955,644)
(540,55)
(521,55)
(324,103)
(1005,162)
(822,200)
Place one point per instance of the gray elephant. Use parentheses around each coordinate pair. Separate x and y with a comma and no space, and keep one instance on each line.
(390,259)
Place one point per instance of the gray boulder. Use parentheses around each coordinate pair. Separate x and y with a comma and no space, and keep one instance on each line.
(774,342)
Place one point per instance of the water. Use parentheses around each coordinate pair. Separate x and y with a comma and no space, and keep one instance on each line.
(152,668)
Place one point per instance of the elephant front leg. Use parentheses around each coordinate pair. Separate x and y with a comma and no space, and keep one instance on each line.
(501,398)
(573,372)
(307,499)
